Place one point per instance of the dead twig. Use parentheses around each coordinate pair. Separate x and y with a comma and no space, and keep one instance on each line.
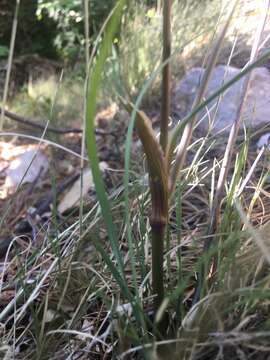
(30,122)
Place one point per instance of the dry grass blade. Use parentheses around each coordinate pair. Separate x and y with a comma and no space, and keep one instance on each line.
(251,171)
(258,237)
(185,140)
(42,140)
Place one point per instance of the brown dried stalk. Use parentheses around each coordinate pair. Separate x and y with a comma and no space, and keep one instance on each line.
(166,75)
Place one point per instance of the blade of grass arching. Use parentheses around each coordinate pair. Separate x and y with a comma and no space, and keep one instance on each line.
(187,133)
(93,87)
(208,137)
(42,140)
(10,58)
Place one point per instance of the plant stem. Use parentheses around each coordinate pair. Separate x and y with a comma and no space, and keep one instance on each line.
(188,130)
(10,58)
(166,75)
(159,201)
(158,232)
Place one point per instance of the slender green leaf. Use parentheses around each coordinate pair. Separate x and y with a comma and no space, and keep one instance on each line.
(94,83)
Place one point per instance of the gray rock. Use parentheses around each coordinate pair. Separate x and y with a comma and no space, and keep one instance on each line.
(264,140)
(220,118)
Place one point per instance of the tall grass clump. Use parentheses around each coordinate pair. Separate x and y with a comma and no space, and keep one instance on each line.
(163,174)
(164,166)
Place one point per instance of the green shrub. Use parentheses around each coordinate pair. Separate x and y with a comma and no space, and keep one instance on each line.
(68,16)
(3,51)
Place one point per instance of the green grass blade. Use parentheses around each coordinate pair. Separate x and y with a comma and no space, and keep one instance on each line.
(93,87)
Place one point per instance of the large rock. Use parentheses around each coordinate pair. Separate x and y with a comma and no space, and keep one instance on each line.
(257,107)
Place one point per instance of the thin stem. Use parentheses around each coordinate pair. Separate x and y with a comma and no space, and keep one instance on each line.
(87,63)
(159,6)
(186,137)
(10,58)
(166,75)
(86,32)
(158,232)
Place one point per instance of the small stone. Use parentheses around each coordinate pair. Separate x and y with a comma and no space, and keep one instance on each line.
(264,141)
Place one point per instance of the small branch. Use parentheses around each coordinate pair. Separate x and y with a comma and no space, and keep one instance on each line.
(30,122)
